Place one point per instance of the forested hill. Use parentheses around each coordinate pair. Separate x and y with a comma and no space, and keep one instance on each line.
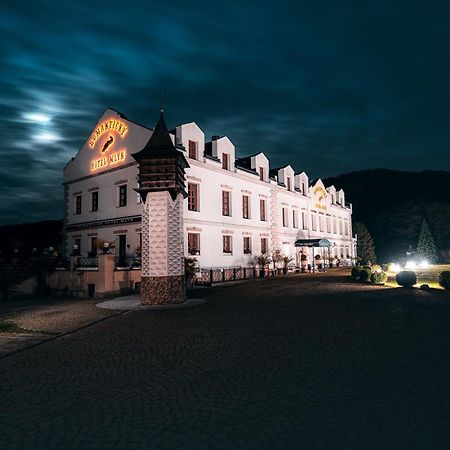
(26,236)
(392,204)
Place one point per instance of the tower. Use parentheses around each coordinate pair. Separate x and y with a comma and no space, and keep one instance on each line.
(162,188)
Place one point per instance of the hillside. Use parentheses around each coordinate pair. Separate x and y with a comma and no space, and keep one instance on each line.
(26,236)
(392,204)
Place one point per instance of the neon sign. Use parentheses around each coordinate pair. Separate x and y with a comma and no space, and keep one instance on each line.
(112,130)
(111,160)
(321,194)
(108,125)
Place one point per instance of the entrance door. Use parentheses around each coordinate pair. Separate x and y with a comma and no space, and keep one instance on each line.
(122,249)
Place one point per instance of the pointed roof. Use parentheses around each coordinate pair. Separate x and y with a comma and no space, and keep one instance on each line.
(160,140)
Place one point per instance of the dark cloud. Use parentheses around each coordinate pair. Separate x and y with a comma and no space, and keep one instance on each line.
(327,86)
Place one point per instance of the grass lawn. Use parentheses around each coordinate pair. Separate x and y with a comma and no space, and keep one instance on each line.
(428,275)
(7,326)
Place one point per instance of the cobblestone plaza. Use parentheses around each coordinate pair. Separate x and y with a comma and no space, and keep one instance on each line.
(304,361)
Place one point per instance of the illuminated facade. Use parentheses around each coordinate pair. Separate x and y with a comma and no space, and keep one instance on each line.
(236,209)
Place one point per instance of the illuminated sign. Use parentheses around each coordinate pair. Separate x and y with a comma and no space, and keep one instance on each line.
(111,160)
(112,131)
(320,194)
(108,125)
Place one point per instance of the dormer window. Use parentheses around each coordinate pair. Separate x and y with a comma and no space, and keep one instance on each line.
(225,161)
(261,173)
(332,199)
(193,150)
(288,182)
(303,189)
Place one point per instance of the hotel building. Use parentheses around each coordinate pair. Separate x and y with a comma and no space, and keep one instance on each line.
(237,207)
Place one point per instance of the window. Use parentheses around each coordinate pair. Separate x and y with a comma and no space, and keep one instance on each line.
(284,217)
(261,173)
(332,199)
(193,150)
(193,203)
(194,243)
(288,183)
(304,221)
(303,189)
(226,203)
(78,204)
(138,198)
(313,222)
(227,244)
(262,210)
(334,225)
(328,224)
(94,246)
(346,228)
(123,195)
(245,207)
(225,161)
(321,227)
(295,218)
(340,226)
(247,245)
(94,201)
(264,245)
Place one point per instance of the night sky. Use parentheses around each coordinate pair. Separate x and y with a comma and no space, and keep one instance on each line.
(330,87)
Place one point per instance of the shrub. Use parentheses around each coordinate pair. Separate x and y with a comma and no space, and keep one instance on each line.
(375,268)
(406,278)
(356,271)
(368,268)
(378,277)
(444,279)
(364,275)
(262,260)
(190,268)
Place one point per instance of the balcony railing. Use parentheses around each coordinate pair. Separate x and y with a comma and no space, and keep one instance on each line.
(132,262)
(87,263)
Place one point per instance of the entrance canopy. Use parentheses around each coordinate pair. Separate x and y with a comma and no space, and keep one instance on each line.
(312,243)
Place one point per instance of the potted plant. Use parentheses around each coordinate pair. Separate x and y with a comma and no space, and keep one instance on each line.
(319,264)
(277,258)
(190,269)
(262,261)
(303,262)
(286,261)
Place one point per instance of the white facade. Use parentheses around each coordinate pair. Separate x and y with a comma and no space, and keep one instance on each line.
(236,206)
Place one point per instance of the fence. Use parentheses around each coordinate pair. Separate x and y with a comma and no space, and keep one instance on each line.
(221,274)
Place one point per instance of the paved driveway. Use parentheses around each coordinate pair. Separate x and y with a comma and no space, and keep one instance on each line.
(297,362)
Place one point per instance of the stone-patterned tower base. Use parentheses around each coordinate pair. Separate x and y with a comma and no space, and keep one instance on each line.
(162,249)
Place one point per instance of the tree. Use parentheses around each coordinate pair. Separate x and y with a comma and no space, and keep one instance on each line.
(426,247)
(365,247)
